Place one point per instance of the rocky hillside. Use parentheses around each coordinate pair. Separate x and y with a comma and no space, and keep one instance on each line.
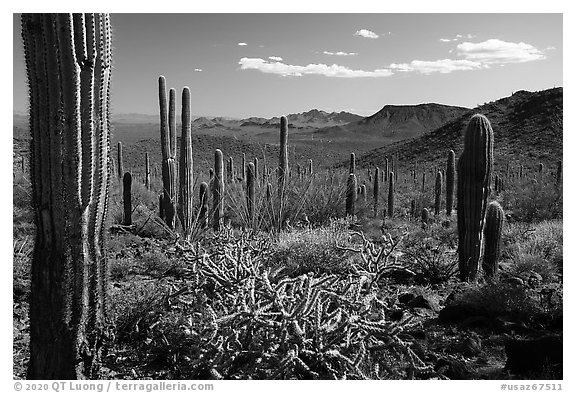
(527,128)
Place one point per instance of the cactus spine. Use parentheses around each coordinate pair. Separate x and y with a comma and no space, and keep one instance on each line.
(450,176)
(438,193)
(351,195)
(493,238)
(120,161)
(68,67)
(391,195)
(474,180)
(251,192)
(147,169)
(376,191)
(218,190)
(127,193)
(283,164)
(186,194)
(168,161)
(203,212)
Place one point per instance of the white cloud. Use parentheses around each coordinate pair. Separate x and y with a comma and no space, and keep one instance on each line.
(366,34)
(197,69)
(242,44)
(448,39)
(458,37)
(333,71)
(275,58)
(340,53)
(444,66)
(495,51)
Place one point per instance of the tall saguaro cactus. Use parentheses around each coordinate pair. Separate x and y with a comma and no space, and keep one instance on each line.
(351,195)
(186,194)
(283,163)
(203,212)
(450,176)
(120,162)
(251,191)
(438,193)
(168,160)
(68,65)
(127,196)
(218,190)
(391,194)
(474,178)
(376,190)
(147,172)
(352,168)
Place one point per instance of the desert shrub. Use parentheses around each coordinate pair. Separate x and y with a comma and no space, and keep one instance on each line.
(531,200)
(314,249)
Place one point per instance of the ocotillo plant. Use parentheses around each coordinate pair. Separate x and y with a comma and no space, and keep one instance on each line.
(351,195)
(493,238)
(186,194)
(251,192)
(438,193)
(168,162)
(474,179)
(147,171)
(127,194)
(203,211)
(218,190)
(391,195)
(376,190)
(68,67)
(450,175)
(120,161)
(283,164)
(352,168)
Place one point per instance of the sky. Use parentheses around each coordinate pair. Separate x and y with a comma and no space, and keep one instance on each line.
(242,65)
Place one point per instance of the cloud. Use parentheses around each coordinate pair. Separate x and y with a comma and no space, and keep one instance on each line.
(448,39)
(495,51)
(458,37)
(444,66)
(332,71)
(242,44)
(366,34)
(275,58)
(340,53)
(197,69)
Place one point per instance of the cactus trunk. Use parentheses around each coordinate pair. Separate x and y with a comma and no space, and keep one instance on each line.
(147,170)
(474,180)
(218,190)
(251,192)
(351,195)
(493,238)
(376,191)
(168,160)
(438,193)
(68,66)
(120,162)
(203,212)
(283,164)
(391,195)
(127,197)
(450,176)
(186,195)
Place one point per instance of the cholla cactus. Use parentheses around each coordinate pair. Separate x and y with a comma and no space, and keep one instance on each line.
(474,180)
(351,195)
(493,238)
(68,66)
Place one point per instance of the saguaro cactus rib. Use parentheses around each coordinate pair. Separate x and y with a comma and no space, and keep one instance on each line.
(68,70)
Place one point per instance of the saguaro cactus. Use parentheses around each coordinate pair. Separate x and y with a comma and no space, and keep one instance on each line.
(68,66)
(243,166)
(450,175)
(493,238)
(127,194)
(425,217)
(474,179)
(559,174)
(147,170)
(203,212)
(256,170)
(168,159)
(283,164)
(120,161)
(310,168)
(376,191)
(230,170)
(352,168)
(218,190)
(391,195)
(251,191)
(423,182)
(351,195)
(386,168)
(438,193)
(186,194)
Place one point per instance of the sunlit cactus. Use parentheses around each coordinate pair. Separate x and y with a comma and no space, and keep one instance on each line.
(186,193)
(351,195)
(230,170)
(168,158)
(352,166)
(203,211)
(68,60)
(474,180)
(493,238)
(147,171)
(120,161)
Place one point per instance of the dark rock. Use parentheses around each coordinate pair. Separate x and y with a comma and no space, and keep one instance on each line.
(460,312)
(471,346)
(423,302)
(406,297)
(454,369)
(396,315)
(529,356)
